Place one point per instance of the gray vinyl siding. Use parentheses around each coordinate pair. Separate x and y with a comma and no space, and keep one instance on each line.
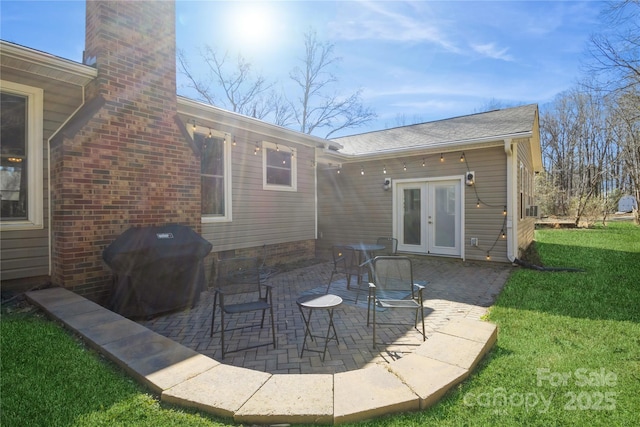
(261,217)
(353,207)
(25,253)
(487,221)
(265,217)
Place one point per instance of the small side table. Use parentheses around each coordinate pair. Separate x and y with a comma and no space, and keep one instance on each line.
(314,302)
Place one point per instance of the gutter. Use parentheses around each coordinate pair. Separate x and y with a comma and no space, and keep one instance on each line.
(512,197)
(250,124)
(444,147)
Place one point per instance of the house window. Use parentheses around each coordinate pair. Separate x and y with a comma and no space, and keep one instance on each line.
(215,176)
(279,167)
(21,169)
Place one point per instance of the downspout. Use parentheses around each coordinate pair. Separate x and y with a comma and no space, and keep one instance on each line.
(512,197)
(315,191)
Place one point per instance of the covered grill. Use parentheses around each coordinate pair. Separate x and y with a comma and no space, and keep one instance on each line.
(156,270)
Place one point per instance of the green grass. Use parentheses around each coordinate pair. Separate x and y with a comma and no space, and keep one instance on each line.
(568,353)
(48,378)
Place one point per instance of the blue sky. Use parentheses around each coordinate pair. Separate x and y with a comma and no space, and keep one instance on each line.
(421,60)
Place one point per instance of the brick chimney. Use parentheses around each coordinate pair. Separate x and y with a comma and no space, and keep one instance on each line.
(124,159)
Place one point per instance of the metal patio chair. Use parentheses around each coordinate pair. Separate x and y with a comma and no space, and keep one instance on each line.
(345,261)
(237,290)
(390,287)
(390,245)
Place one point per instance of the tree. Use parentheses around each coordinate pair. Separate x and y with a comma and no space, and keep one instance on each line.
(315,108)
(234,87)
(615,51)
(615,68)
(577,142)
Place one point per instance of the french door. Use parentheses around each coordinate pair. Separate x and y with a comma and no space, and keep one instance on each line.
(428,217)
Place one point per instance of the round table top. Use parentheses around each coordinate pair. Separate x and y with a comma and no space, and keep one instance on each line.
(367,247)
(320,301)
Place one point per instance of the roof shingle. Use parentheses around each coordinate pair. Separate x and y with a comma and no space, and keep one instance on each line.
(497,123)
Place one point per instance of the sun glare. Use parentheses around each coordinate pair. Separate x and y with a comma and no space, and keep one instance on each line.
(253,26)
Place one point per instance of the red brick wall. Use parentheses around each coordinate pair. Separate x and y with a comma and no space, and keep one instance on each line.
(129,165)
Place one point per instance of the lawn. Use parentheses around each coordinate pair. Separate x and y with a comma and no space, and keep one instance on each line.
(568,353)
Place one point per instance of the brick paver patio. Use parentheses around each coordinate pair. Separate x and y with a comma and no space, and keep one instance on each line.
(455,289)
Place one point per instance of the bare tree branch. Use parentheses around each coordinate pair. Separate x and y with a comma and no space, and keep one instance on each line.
(315,110)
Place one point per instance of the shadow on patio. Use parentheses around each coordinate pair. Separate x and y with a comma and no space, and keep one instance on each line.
(455,289)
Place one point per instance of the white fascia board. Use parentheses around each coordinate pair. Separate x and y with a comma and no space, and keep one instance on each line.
(205,113)
(441,147)
(45,64)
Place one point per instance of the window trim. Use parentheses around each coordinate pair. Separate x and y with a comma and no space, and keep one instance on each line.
(227,216)
(34,154)
(294,168)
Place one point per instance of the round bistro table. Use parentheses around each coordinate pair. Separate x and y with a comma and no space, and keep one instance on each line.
(318,302)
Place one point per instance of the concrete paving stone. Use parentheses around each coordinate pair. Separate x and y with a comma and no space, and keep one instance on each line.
(453,350)
(53,297)
(221,390)
(470,329)
(83,321)
(306,399)
(370,392)
(179,371)
(430,379)
(146,354)
(109,330)
(65,311)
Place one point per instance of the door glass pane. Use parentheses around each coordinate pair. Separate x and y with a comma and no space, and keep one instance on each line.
(412,225)
(445,219)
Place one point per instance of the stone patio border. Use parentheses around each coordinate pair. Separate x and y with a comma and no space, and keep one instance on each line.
(182,376)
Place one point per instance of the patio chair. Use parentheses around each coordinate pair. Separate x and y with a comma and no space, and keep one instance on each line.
(345,261)
(390,246)
(237,290)
(390,289)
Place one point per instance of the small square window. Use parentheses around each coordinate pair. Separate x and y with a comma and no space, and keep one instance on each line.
(279,167)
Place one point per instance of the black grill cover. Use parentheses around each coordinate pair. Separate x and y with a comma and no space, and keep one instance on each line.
(156,270)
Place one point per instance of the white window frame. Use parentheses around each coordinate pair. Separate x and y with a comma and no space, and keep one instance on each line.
(227,216)
(294,168)
(34,153)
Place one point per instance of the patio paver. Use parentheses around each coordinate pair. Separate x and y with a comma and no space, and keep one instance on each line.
(177,358)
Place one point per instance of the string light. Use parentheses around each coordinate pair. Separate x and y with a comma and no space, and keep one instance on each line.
(441,158)
(211,136)
(194,125)
(384,169)
(234,141)
(361,170)
(478,204)
(404,166)
(504,212)
(462,157)
(424,163)
(503,234)
(488,256)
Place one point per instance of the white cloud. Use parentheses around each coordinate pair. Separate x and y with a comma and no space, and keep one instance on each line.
(490,50)
(382,21)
